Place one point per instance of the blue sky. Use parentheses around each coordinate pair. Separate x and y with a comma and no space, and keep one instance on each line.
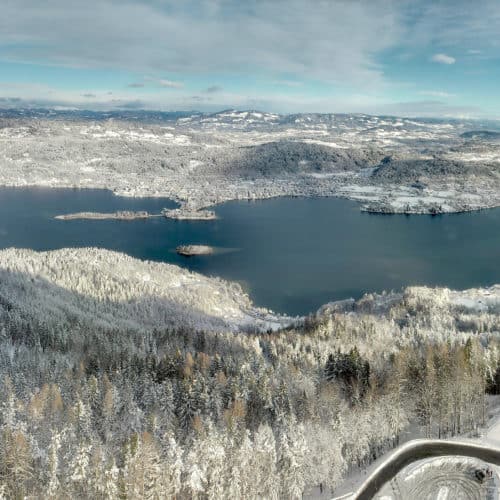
(417,58)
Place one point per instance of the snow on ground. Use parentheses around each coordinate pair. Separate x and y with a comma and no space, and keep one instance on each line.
(193,164)
(325,143)
(445,478)
(492,435)
(477,299)
(354,479)
(475,156)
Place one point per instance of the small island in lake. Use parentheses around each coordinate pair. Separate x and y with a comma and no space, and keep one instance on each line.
(120,215)
(190,250)
(188,214)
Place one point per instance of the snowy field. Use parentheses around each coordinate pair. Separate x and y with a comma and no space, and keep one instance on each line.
(449,478)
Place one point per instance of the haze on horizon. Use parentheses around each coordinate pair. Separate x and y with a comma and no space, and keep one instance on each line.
(410,58)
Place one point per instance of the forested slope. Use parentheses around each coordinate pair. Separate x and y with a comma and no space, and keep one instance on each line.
(109,390)
(110,289)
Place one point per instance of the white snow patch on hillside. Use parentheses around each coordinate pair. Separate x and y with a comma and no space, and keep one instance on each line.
(325,143)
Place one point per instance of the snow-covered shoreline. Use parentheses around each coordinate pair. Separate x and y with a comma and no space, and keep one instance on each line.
(96,275)
(388,165)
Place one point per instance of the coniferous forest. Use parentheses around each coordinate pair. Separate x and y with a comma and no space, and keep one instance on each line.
(141,410)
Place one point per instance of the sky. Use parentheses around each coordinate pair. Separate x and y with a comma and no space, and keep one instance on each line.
(398,57)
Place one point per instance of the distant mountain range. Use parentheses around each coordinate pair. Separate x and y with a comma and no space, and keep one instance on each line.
(250,118)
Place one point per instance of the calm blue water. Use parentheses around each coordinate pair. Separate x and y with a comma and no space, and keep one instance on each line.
(292,255)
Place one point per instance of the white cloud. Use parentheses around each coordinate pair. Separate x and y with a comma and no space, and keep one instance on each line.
(170,84)
(287,83)
(336,40)
(430,108)
(453,26)
(278,43)
(443,59)
(436,93)
(213,89)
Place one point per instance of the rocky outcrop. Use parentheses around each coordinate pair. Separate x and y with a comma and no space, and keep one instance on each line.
(188,214)
(121,215)
(190,250)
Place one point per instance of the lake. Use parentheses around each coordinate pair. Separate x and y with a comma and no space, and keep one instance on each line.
(291,254)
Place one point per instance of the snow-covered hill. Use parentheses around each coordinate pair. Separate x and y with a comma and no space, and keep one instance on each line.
(111,290)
